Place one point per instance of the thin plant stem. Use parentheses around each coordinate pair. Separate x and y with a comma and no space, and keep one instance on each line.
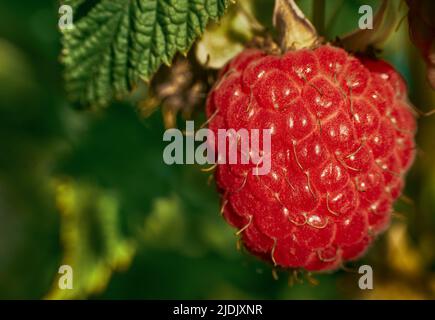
(319,16)
(333,17)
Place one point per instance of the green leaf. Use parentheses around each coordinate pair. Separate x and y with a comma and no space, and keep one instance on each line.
(115,43)
(224,40)
(94,246)
(384,24)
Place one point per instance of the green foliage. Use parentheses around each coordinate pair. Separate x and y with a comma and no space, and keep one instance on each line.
(115,43)
(92,241)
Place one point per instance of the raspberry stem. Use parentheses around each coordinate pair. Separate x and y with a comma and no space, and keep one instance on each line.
(319,16)
(295,30)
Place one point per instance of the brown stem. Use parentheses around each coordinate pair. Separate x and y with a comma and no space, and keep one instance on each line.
(295,30)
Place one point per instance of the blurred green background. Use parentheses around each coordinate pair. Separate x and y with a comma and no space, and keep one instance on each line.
(90,189)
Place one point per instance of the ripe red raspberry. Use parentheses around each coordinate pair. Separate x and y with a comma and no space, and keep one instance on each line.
(342,141)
